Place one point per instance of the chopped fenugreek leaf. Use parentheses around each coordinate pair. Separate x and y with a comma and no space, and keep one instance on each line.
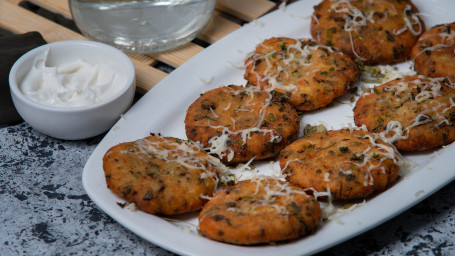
(329,35)
(272,117)
(294,206)
(211,118)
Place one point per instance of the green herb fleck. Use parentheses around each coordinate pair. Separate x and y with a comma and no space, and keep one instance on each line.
(272,117)
(330,31)
(294,206)
(210,118)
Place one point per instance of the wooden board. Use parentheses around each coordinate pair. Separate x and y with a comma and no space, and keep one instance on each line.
(20,20)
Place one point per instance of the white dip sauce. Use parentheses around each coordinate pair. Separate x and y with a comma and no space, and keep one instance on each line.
(73,84)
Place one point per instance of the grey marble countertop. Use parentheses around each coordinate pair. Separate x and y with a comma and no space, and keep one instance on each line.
(45,210)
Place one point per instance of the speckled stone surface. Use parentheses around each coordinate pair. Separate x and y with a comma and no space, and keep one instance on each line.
(45,210)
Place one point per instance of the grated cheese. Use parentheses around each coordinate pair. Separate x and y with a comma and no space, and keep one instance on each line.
(219,145)
(183,153)
(206,81)
(282,6)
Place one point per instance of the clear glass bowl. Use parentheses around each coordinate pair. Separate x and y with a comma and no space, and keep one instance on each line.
(142,26)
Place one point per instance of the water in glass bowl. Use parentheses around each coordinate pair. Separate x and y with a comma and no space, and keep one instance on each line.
(142,26)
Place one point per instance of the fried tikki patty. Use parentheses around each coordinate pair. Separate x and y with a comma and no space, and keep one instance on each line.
(237,123)
(374,32)
(305,74)
(161,175)
(348,164)
(434,52)
(261,210)
(416,112)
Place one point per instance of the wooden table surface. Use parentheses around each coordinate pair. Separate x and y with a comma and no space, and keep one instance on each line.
(228,16)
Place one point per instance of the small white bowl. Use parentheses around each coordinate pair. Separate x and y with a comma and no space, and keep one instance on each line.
(73,123)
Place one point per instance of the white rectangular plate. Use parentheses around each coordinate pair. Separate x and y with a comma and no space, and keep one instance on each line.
(162,110)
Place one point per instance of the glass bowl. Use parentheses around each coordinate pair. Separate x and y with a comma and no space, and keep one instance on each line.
(142,26)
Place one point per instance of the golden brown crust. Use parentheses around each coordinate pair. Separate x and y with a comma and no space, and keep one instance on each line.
(434,52)
(377,30)
(240,123)
(158,177)
(309,76)
(423,106)
(243,214)
(346,164)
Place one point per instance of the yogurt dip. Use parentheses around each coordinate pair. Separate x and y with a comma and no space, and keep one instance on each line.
(72,84)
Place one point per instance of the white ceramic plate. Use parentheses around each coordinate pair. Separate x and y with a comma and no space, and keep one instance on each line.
(162,110)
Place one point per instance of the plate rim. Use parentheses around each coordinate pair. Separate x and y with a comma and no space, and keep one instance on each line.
(94,162)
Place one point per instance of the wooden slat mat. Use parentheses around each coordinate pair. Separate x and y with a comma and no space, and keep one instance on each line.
(228,16)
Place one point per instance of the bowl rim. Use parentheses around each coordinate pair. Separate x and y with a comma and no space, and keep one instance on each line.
(28,56)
